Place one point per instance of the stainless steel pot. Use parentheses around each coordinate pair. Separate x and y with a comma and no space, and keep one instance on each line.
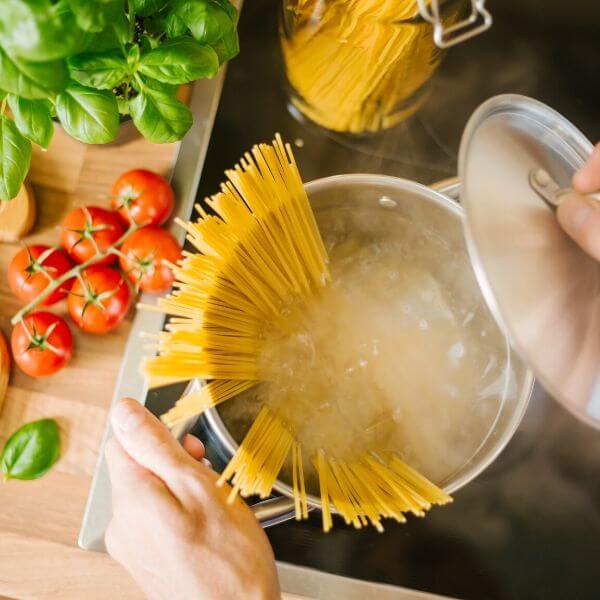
(435,206)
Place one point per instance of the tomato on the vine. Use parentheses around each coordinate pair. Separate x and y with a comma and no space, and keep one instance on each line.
(143,196)
(89,230)
(142,256)
(41,344)
(99,299)
(33,268)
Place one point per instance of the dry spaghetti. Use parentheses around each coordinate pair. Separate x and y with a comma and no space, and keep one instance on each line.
(260,261)
(357,65)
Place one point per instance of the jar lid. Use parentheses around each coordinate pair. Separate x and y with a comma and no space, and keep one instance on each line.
(541,288)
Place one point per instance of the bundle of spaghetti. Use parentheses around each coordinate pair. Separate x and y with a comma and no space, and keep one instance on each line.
(261,259)
(353,63)
(259,253)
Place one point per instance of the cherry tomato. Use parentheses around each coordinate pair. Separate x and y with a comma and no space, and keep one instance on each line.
(143,196)
(142,258)
(89,229)
(42,344)
(31,270)
(99,299)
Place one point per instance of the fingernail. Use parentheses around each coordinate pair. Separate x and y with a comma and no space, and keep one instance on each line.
(127,414)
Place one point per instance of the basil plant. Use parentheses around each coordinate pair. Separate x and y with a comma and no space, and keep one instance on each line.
(88,62)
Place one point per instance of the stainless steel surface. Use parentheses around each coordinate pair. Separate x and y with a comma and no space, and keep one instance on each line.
(477,21)
(130,383)
(543,290)
(358,188)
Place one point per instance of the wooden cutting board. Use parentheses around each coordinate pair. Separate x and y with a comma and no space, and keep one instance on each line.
(39,520)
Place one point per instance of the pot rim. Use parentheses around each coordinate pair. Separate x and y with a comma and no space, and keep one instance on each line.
(438,197)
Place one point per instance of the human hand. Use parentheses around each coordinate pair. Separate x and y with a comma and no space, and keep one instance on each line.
(172,528)
(580,216)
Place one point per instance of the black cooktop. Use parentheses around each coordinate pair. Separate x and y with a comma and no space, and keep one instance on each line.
(529,526)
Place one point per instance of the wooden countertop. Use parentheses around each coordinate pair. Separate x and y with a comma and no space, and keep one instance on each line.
(39,520)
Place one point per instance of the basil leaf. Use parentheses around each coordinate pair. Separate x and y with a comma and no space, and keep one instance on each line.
(207,21)
(180,61)
(40,30)
(133,57)
(32,118)
(88,115)
(227,47)
(154,84)
(174,26)
(31,450)
(101,70)
(230,9)
(145,8)
(32,79)
(15,156)
(159,117)
(95,16)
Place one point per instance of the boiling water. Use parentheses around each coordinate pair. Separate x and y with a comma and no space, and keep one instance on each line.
(399,352)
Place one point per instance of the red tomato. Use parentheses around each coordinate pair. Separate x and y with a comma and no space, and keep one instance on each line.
(87,229)
(99,299)
(31,270)
(143,196)
(142,258)
(41,344)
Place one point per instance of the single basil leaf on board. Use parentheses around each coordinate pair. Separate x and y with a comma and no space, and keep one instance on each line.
(31,450)
(145,8)
(32,79)
(95,16)
(40,30)
(15,156)
(227,47)
(32,118)
(88,115)
(174,25)
(180,61)
(159,117)
(101,70)
(207,21)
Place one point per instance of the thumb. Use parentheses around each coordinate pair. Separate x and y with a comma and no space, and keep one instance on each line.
(580,218)
(147,440)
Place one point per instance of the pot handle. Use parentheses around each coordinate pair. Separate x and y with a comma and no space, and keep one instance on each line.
(273,510)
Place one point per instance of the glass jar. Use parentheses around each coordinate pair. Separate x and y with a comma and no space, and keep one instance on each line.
(361,66)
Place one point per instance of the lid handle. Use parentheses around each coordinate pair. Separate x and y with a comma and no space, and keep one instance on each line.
(478,21)
(549,191)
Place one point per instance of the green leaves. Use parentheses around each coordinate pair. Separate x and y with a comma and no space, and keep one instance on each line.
(159,116)
(15,156)
(207,20)
(101,70)
(147,7)
(227,47)
(88,115)
(40,30)
(32,118)
(31,79)
(180,61)
(31,450)
(95,16)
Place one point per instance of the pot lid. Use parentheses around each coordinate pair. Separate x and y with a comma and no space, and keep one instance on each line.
(542,289)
